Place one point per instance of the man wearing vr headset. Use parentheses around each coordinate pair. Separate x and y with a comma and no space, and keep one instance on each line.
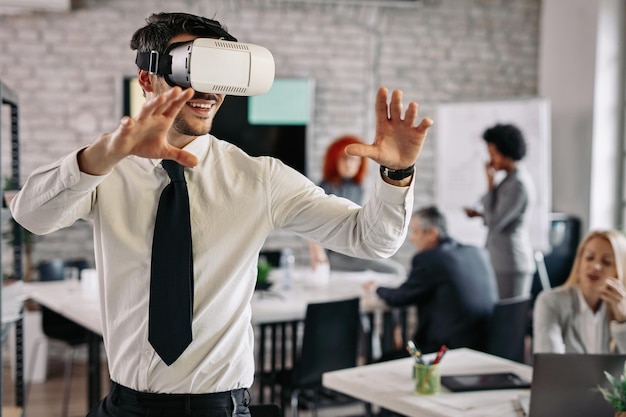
(236,201)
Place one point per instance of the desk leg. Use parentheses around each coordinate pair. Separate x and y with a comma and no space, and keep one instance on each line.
(261,364)
(94,392)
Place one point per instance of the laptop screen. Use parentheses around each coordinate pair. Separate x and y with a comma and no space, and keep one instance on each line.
(567,384)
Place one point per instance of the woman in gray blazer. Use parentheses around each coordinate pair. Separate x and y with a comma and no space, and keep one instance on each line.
(587,314)
(506,208)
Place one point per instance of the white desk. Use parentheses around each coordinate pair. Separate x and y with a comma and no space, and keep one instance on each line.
(277,305)
(390,385)
(81,306)
(281,305)
(71,300)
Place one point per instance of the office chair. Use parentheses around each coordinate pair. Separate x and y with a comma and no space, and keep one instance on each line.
(59,328)
(265,410)
(554,266)
(507,328)
(329,342)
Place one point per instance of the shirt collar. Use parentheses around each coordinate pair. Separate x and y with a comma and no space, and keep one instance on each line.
(199,147)
(584,307)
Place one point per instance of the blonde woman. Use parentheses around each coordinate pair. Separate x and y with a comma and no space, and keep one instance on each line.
(587,314)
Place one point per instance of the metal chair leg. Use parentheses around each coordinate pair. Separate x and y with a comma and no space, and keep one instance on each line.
(316,397)
(294,402)
(31,371)
(67,385)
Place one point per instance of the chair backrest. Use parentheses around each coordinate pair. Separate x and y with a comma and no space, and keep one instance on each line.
(564,237)
(507,328)
(329,341)
(51,270)
(54,269)
(264,410)
(53,324)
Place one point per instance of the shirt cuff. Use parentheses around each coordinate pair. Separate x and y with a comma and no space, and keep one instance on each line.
(73,178)
(392,193)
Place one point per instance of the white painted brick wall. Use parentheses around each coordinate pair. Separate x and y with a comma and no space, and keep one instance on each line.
(68,68)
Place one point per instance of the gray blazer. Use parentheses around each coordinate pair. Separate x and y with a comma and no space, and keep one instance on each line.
(506,214)
(557,328)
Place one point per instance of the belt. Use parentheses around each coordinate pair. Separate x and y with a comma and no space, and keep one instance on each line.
(121,395)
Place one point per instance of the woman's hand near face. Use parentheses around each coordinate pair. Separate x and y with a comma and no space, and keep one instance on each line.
(613,294)
(491,174)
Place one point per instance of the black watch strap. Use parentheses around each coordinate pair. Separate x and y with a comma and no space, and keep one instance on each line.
(397,174)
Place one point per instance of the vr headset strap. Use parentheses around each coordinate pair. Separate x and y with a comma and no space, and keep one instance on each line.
(154,63)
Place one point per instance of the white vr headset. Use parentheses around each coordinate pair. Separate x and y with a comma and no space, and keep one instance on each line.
(213,66)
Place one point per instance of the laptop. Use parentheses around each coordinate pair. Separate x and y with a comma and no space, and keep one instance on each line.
(567,384)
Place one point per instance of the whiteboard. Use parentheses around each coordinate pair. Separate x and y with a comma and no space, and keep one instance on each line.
(462,154)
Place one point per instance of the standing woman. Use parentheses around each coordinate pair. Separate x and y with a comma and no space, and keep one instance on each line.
(587,314)
(343,176)
(506,207)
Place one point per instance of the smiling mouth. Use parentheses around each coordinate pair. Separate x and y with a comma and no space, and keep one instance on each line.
(203,103)
(205,106)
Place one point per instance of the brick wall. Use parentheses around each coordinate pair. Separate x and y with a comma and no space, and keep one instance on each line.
(68,69)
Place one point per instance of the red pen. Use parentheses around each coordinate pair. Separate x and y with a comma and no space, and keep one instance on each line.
(442,351)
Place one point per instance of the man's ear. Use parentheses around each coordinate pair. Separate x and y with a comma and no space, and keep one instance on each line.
(433,236)
(145,80)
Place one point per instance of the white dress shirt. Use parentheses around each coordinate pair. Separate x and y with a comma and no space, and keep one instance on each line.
(591,325)
(236,201)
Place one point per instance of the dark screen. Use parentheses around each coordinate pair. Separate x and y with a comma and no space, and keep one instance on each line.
(285,142)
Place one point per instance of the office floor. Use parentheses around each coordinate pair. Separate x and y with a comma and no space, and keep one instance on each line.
(44,399)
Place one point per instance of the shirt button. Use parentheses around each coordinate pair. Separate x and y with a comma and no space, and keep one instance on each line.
(72,178)
(147,353)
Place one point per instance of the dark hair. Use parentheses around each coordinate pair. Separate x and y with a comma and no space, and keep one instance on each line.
(507,139)
(162,27)
(335,151)
(432,217)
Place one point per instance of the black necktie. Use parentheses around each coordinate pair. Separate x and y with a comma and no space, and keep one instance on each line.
(171,284)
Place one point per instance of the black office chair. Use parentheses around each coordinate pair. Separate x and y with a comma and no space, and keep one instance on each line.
(554,266)
(329,342)
(265,410)
(507,328)
(59,328)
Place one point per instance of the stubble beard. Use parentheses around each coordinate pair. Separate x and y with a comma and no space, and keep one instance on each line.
(184,128)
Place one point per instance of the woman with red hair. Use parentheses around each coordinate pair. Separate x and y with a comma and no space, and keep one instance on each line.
(343,176)
(343,173)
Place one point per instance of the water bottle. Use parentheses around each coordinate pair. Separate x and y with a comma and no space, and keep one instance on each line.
(287,264)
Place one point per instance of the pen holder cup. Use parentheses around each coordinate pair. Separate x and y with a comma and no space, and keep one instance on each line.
(427,379)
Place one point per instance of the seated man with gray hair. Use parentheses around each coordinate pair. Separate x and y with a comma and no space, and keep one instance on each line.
(453,286)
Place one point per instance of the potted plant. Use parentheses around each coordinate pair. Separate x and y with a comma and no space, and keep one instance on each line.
(616,395)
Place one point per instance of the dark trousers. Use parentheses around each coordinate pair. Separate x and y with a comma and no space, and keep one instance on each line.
(125,402)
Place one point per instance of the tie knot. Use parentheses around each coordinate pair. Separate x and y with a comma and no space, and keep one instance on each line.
(175,170)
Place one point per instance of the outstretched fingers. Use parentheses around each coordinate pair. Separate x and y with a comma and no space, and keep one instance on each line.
(395,105)
(182,157)
(424,125)
(382,110)
(176,101)
(167,104)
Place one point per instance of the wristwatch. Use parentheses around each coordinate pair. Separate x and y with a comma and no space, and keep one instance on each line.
(397,174)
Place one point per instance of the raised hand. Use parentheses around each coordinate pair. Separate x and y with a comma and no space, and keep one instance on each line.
(398,141)
(490,171)
(145,135)
(614,295)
